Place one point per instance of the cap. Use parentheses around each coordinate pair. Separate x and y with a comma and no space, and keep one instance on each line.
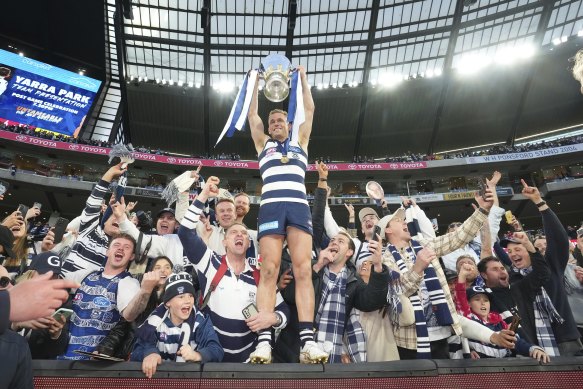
(365,212)
(475,290)
(170,210)
(45,262)
(505,241)
(178,284)
(224,195)
(7,240)
(384,222)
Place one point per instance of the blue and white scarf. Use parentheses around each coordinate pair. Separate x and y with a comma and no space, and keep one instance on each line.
(331,317)
(437,299)
(159,330)
(545,314)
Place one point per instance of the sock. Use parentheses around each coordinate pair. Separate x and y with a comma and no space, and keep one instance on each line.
(306,332)
(264,336)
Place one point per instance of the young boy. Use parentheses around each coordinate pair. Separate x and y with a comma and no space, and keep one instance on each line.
(475,303)
(175,331)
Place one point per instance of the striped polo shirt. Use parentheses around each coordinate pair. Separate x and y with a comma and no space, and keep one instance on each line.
(283,181)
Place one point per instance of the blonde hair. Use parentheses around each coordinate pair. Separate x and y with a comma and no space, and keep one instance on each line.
(277,111)
(578,66)
(27,275)
(20,248)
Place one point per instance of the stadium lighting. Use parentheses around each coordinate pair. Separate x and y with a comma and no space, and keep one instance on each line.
(146,79)
(190,84)
(319,86)
(564,39)
(170,82)
(157,80)
(390,80)
(580,33)
(471,64)
(429,73)
(437,72)
(334,85)
(180,83)
(197,85)
(557,41)
(224,86)
(163,81)
(139,78)
(326,86)
(21,53)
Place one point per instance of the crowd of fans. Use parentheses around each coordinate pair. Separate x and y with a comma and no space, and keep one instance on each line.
(143,284)
(407,157)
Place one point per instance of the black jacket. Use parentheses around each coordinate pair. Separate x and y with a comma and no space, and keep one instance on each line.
(520,296)
(359,295)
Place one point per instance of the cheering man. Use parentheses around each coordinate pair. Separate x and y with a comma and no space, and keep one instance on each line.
(284,212)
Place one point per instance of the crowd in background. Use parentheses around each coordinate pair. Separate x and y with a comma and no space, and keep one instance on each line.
(145,284)
(407,157)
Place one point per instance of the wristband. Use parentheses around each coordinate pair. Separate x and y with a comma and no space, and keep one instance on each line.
(541,204)
(323,179)
(483,211)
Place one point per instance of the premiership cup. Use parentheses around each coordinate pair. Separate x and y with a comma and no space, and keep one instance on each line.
(276,70)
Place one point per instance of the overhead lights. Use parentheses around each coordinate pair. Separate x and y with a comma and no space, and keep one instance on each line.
(580,33)
(190,84)
(197,85)
(320,86)
(157,80)
(390,80)
(180,83)
(224,86)
(146,79)
(21,53)
(472,63)
(163,81)
(437,72)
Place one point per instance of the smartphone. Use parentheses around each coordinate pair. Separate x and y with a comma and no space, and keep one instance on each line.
(515,323)
(508,216)
(249,311)
(66,313)
(376,231)
(23,209)
(37,205)
(482,188)
(3,187)
(60,228)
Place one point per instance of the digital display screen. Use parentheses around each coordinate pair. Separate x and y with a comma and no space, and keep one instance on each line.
(44,96)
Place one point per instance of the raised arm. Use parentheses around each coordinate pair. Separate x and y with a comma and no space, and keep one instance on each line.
(255,122)
(309,108)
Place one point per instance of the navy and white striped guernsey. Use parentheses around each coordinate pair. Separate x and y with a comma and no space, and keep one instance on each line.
(283,181)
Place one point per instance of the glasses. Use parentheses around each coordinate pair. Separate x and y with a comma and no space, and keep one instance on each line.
(5,281)
(454,225)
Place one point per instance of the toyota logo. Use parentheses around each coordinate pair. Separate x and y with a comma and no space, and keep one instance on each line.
(352,166)
(21,138)
(73,147)
(171,160)
(394,166)
(218,163)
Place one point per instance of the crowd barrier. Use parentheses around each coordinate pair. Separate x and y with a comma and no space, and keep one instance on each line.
(562,372)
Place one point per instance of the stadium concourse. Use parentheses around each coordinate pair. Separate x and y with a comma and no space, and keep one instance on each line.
(291,194)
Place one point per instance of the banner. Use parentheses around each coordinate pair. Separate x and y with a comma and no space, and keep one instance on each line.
(253,165)
(526,155)
(44,96)
(500,191)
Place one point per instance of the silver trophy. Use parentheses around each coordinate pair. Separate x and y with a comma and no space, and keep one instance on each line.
(276,70)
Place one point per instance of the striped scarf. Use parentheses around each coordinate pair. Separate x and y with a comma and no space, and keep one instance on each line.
(545,314)
(331,318)
(436,299)
(168,338)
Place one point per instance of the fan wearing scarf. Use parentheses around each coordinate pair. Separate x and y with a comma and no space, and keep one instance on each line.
(229,283)
(423,281)
(553,294)
(340,292)
(176,331)
(284,212)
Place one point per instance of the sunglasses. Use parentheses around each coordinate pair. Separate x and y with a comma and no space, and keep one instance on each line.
(454,225)
(5,281)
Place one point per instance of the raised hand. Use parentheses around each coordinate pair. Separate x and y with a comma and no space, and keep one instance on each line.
(531,192)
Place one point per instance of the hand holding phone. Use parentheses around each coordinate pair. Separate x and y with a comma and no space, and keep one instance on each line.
(376,232)
(59,229)
(64,312)
(515,323)
(249,311)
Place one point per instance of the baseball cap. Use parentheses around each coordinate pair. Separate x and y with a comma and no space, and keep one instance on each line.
(505,241)
(224,195)
(164,210)
(365,212)
(384,222)
(7,240)
(475,290)
(45,262)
